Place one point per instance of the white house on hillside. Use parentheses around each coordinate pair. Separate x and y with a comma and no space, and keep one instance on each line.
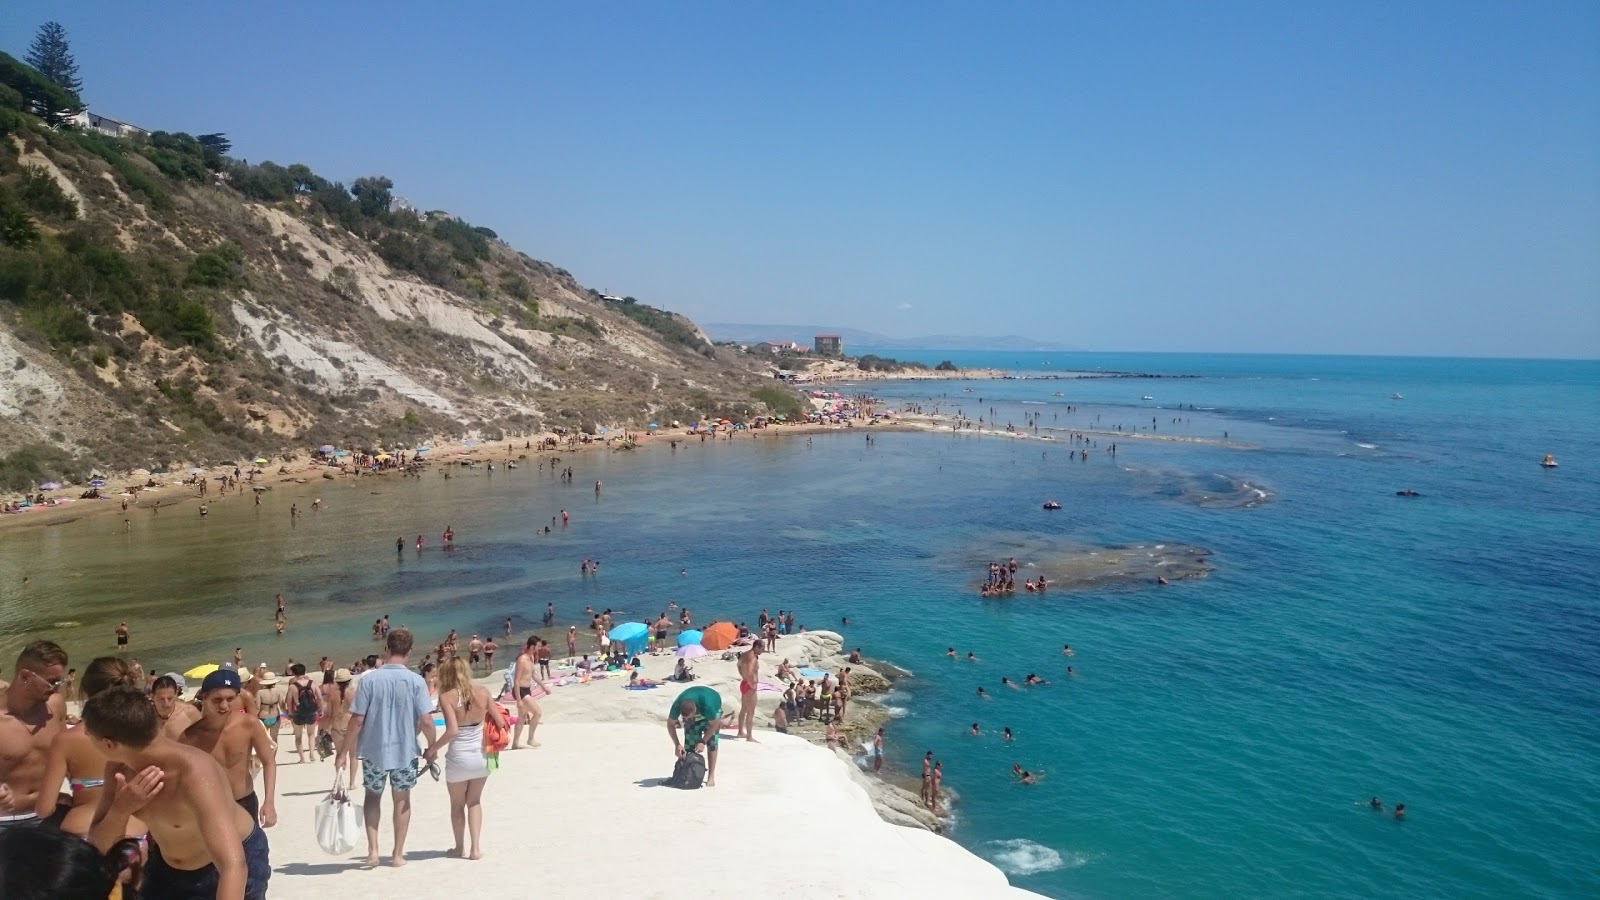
(89,121)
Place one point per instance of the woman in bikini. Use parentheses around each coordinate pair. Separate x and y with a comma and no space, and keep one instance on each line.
(75,758)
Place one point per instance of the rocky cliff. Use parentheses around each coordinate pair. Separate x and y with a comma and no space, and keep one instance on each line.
(162,302)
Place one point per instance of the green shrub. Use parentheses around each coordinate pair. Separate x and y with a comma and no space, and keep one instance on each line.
(60,324)
(219,267)
(40,192)
(781,401)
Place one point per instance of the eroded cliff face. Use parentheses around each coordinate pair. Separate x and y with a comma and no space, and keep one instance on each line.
(156,318)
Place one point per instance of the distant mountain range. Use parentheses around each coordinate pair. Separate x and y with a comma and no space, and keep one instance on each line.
(856,339)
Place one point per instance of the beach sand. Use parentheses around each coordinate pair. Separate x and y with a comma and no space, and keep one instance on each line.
(589,797)
(560,819)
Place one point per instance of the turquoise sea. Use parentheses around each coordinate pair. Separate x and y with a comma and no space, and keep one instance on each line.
(1222,736)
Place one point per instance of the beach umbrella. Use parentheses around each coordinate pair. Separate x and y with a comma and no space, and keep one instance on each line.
(261,460)
(50,486)
(98,482)
(633,635)
(719,636)
(469,443)
(690,651)
(654,425)
(202,670)
(381,456)
(689,637)
(140,472)
(341,453)
(325,448)
(197,471)
(420,450)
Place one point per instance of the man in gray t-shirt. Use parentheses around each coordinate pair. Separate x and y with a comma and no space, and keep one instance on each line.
(390,709)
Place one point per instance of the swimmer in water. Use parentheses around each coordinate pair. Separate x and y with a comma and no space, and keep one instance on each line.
(951,653)
(1066,649)
(1027,778)
(1034,679)
(1006,733)
(1009,683)
(971,658)
(984,694)
(1376,804)
(1399,810)
(975,730)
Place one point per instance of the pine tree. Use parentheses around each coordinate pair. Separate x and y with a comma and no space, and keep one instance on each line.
(51,54)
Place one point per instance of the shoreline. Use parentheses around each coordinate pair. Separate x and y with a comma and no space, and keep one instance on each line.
(302,468)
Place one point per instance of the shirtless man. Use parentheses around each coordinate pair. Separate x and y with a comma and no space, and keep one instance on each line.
(927,779)
(175,717)
(122,637)
(474,651)
(489,647)
(202,846)
(522,681)
(32,713)
(230,736)
(749,677)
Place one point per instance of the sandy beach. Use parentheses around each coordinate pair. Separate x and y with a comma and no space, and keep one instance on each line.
(596,777)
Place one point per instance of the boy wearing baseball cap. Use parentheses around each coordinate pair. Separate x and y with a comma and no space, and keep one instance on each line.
(231,736)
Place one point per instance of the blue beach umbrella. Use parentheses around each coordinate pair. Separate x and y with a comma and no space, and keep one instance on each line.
(654,425)
(98,482)
(688,637)
(633,635)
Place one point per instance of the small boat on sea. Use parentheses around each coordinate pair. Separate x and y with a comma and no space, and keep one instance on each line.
(1051,504)
(1147,397)
(1396,396)
(1549,461)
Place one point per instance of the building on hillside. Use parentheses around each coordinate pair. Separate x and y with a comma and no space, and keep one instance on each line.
(89,121)
(765,347)
(829,345)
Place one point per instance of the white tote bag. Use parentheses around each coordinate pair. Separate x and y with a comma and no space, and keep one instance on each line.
(338,823)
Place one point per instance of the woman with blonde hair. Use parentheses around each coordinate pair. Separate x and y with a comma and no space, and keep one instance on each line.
(465,706)
(74,757)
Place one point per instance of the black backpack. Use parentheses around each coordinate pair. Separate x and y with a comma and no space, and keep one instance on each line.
(307,699)
(689,772)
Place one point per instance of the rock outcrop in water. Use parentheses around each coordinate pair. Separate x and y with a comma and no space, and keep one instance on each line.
(1121,564)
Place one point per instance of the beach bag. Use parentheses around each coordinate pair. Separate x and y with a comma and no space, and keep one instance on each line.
(689,772)
(325,746)
(339,823)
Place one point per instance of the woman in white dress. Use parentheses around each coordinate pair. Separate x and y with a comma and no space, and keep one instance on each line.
(465,705)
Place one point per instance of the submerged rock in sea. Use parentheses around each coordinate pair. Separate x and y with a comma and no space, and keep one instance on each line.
(1088,567)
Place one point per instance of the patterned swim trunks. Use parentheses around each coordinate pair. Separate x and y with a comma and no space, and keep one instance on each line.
(372,778)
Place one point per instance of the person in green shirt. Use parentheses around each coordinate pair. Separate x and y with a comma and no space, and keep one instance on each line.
(698,711)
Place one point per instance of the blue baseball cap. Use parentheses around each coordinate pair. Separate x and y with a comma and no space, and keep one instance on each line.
(221,678)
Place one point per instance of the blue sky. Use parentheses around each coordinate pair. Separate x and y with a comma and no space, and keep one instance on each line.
(1254,177)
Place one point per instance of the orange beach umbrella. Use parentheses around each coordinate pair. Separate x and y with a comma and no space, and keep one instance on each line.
(719,636)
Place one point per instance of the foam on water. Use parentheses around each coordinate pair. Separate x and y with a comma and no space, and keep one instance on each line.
(1020,856)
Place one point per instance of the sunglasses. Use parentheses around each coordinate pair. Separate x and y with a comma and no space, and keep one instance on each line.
(52,683)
